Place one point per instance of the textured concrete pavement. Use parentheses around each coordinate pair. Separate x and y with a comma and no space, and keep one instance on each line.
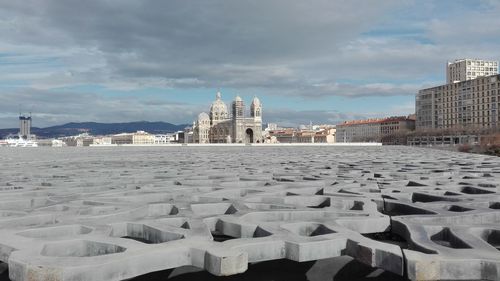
(117,213)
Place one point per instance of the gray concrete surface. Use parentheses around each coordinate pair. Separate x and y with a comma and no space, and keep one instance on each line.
(121,212)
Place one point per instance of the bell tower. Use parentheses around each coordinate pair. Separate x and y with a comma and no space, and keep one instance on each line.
(238,115)
(256,110)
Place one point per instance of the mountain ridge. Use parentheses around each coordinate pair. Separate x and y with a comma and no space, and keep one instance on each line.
(97,128)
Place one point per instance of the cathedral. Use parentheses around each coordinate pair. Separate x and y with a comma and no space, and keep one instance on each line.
(221,127)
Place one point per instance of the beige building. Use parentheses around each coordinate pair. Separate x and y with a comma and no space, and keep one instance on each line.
(373,129)
(124,138)
(326,135)
(305,136)
(142,138)
(397,124)
(468,69)
(468,104)
(139,138)
(282,136)
(85,141)
(221,127)
(359,131)
(104,140)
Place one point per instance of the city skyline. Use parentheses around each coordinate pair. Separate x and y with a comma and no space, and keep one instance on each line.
(324,61)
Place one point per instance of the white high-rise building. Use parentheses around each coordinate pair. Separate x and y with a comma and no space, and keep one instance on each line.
(468,69)
(25,126)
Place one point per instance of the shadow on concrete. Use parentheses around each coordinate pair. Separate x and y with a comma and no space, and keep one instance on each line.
(279,270)
(335,269)
(4,273)
(357,271)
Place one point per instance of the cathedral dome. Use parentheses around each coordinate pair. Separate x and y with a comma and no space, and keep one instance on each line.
(218,110)
(203,117)
(238,98)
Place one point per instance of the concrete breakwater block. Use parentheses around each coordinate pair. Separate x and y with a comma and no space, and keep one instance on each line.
(121,212)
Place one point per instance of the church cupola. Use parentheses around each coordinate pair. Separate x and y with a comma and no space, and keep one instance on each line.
(218,110)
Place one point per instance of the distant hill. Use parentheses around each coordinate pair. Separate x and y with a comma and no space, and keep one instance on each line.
(93,128)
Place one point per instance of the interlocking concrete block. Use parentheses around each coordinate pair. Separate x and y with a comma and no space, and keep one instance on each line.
(121,212)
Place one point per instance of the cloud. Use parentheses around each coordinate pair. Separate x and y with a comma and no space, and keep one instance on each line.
(475,27)
(321,90)
(287,117)
(287,48)
(59,107)
(211,43)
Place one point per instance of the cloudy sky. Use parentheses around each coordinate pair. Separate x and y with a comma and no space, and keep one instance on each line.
(323,61)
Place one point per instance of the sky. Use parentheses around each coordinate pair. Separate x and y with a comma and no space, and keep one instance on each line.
(319,61)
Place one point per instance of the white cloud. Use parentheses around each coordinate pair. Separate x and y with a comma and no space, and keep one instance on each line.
(59,107)
(315,49)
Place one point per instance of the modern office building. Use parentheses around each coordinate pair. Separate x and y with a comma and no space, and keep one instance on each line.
(468,69)
(467,104)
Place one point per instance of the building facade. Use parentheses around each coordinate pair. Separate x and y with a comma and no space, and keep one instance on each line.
(392,125)
(468,69)
(359,131)
(323,135)
(165,138)
(468,104)
(221,127)
(25,127)
(137,138)
(373,129)
(286,135)
(123,138)
(142,138)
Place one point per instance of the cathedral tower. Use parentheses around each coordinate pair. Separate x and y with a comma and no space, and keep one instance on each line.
(238,111)
(256,110)
(256,114)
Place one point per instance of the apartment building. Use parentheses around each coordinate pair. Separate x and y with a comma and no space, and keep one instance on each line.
(373,129)
(142,137)
(324,135)
(392,125)
(137,138)
(359,131)
(468,69)
(467,104)
(287,135)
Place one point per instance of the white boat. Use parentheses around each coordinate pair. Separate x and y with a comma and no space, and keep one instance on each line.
(20,142)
